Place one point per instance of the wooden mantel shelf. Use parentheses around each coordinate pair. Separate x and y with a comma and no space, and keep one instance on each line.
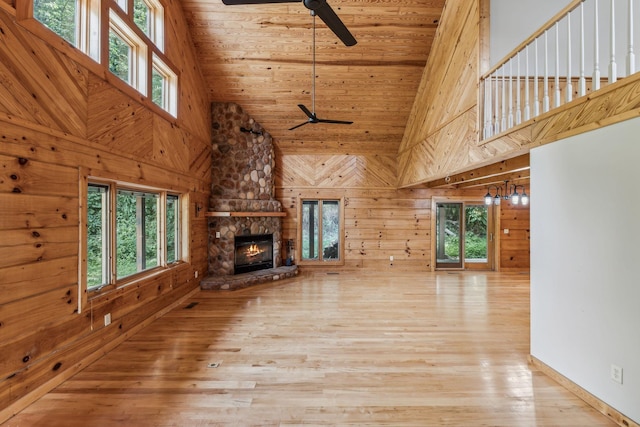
(245,214)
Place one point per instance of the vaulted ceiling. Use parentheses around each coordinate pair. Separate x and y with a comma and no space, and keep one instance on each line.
(260,57)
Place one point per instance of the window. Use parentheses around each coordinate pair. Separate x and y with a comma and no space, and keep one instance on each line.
(164,86)
(137,239)
(133,33)
(120,57)
(141,15)
(127,54)
(173,228)
(97,236)
(321,231)
(60,16)
(139,230)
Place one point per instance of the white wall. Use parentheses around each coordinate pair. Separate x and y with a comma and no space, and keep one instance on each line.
(512,22)
(585,254)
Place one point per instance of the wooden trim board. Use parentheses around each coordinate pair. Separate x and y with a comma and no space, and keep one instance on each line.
(583,394)
(245,214)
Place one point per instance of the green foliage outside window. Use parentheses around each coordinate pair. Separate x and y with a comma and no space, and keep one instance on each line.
(136,232)
(172,228)
(96,236)
(157,87)
(141,15)
(119,57)
(475,243)
(330,222)
(59,16)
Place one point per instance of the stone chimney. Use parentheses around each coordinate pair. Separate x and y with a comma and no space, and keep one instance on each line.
(243,178)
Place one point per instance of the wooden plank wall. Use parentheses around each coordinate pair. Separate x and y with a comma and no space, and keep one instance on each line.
(442,128)
(380,220)
(58,118)
(514,250)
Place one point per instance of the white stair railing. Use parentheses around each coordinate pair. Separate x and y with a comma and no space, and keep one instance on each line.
(503,90)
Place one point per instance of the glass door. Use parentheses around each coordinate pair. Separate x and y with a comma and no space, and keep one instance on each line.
(448,232)
(478,240)
(463,237)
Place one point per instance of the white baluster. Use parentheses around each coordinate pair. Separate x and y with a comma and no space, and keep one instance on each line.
(527,107)
(545,88)
(487,107)
(518,107)
(503,123)
(596,47)
(510,118)
(631,57)
(582,83)
(536,76)
(497,129)
(569,88)
(613,71)
(556,92)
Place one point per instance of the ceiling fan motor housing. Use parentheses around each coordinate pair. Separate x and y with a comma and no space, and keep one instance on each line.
(314,4)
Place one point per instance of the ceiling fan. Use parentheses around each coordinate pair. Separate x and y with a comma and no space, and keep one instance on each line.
(317,7)
(311,115)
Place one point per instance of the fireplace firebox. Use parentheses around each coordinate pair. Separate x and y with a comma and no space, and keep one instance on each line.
(252,253)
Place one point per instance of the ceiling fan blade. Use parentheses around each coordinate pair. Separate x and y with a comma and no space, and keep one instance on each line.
(301,124)
(326,13)
(235,2)
(309,114)
(339,122)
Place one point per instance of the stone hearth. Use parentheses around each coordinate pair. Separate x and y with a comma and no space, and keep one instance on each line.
(244,280)
(242,174)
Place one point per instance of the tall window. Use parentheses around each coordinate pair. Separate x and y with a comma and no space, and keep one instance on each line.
(127,53)
(173,228)
(120,57)
(137,238)
(321,231)
(164,86)
(138,230)
(97,235)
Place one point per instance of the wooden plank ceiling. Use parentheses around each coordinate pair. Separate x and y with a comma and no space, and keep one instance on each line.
(260,57)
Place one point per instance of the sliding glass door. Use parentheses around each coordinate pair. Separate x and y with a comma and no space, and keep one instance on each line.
(463,237)
(448,241)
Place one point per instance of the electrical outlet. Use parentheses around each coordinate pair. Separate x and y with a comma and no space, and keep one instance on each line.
(616,374)
(196,274)
(506,231)
(217,234)
(107,319)
(391,258)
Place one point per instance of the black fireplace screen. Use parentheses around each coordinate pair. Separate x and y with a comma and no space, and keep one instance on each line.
(253,253)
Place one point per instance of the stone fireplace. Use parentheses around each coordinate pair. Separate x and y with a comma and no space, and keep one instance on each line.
(242,203)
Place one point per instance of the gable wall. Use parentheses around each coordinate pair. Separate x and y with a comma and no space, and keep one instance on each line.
(61,119)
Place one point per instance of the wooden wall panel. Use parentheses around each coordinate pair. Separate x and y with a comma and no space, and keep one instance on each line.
(118,123)
(170,146)
(40,84)
(193,98)
(449,80)
(514,247)
(58,122)
(8,4)
(339,171)
(379,223)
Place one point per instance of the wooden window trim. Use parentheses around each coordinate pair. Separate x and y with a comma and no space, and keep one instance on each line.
(114,284)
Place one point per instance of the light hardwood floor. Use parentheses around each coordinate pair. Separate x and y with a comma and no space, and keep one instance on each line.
(440,349)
